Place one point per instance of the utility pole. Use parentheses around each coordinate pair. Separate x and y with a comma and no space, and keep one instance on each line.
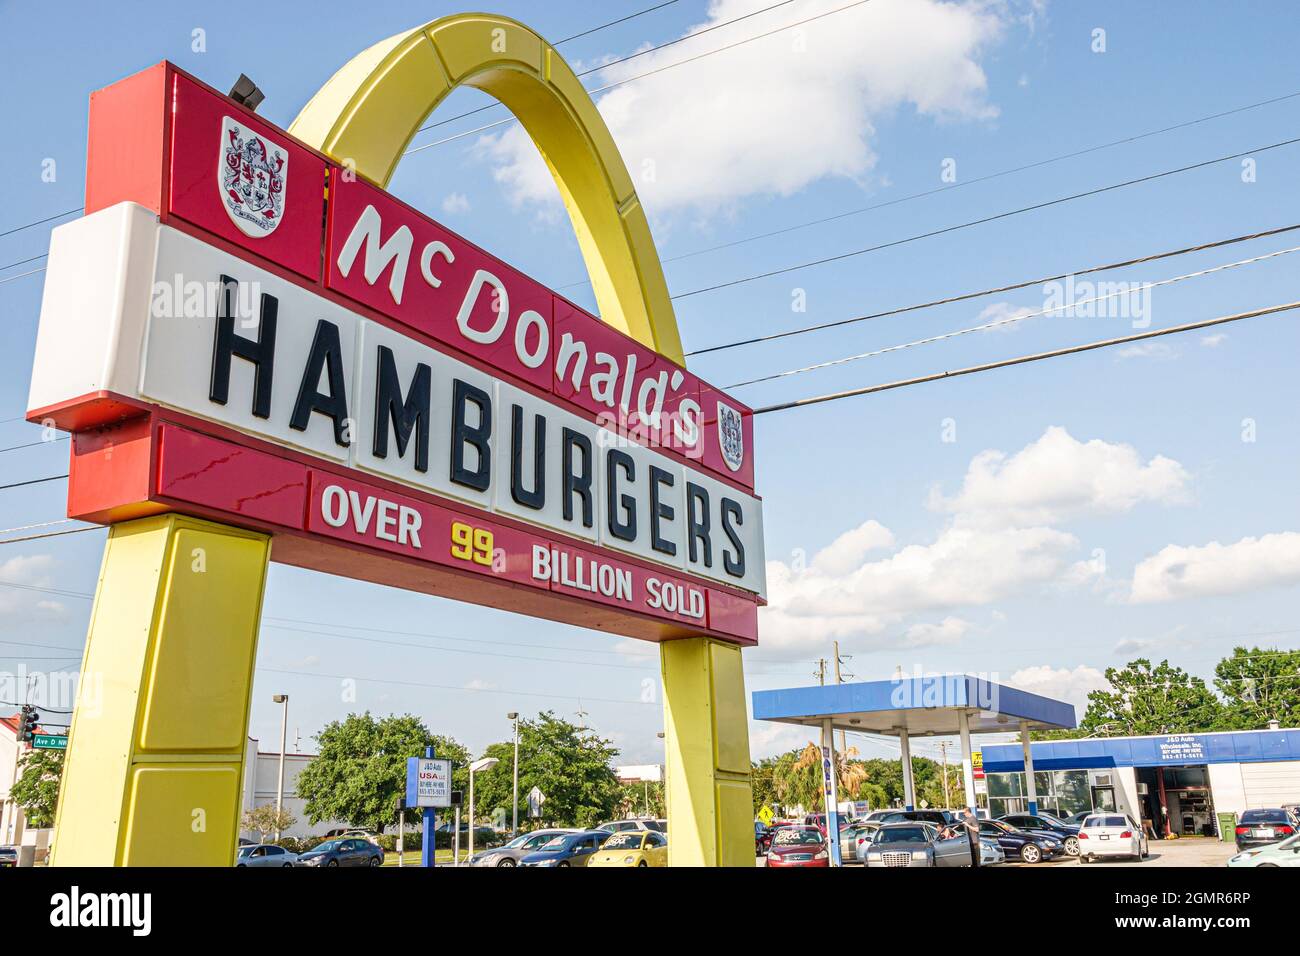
(821,671)
(839,679)
(943,749)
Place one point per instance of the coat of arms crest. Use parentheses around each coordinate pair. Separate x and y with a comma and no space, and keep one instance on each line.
(251,176)
(731,436)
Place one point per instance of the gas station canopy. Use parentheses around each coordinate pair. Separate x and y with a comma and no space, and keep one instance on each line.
(921,706)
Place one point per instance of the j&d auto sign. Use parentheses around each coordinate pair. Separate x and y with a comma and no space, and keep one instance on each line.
(242,329)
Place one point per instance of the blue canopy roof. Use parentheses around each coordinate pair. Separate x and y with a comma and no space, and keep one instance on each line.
(922,705)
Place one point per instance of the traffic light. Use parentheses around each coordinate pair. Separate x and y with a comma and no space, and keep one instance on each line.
(27,723)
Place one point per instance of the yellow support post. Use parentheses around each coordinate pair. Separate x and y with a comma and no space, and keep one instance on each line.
(706,738)
(156,750)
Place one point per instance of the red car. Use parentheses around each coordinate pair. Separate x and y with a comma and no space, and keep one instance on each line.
(798,846)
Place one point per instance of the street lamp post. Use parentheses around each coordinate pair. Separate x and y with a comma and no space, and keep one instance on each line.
(284,727)
(487,763)
(514,791)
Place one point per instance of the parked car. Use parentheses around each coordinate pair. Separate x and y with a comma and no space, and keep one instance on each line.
(568,849)
(991,852)
(619,826)
(268,855)
(1025,846)
(516,849)
(362,832)
(8,856)
(916,844)
(1286,853)
(938,818)
(632,848)
(1076,819)
(862,838)
(849,840)
(484,835)
(350,851)
(1067,833)
(1261,827)
(1111,834)
(800,845)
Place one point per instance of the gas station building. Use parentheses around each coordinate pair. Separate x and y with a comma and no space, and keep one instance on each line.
(959,705)
(1179,783)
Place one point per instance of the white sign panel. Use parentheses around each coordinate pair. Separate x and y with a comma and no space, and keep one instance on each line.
(433,783)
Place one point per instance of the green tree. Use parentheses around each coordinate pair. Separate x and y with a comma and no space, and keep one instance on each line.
(265,820)
(571,766)
(1257,686)
(764,786)
(641,798)
(361,769)
(1150,700)
(37,789)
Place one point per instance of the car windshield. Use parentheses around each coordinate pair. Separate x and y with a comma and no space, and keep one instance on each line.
(1264,816)
(327,847)
(792,836)
(243,850)
(623,841)
(902,835)
(659,826)
(557,843)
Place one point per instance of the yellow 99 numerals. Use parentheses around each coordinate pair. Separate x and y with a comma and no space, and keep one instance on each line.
(471,544)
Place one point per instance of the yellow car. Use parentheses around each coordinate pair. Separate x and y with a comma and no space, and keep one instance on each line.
(632,848)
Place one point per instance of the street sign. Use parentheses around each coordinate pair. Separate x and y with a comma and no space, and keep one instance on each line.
(766,815)
(428,782)
(50,742)
(535,800)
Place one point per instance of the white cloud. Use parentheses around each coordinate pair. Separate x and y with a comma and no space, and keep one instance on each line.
(771,116)
(1151,350)
(1213,341)
(455,204)
(961,567)
(1212,569)
(948,631)
(1059,476)
(999,542)
(1071,686)
(32,570)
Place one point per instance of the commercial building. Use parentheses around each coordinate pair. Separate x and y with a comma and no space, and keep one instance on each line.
(1178,783)
(261,786)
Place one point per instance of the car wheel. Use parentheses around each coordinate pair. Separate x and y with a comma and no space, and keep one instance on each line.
(241,866)
(374,861)
(286,866)
(332,863)
(1029,853)
(563,863)
(507,862)
(643,863)
(1271,866)
(1072,846)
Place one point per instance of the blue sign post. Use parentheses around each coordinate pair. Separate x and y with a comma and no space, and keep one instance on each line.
(428,787)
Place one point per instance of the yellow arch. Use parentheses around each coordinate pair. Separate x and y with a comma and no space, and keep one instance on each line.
(369,110)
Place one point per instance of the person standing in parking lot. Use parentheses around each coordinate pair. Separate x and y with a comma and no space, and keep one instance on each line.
(972,826)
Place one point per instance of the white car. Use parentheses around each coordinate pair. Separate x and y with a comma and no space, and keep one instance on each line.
(1111,834)
(622,826)
(265,855)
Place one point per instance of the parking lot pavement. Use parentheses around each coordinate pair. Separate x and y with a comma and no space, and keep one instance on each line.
(1194,851)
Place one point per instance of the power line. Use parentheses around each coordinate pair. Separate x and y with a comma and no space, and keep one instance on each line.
(1013,319)
(20,262)
(970,182)
(451,687)
(640,76)
(605,66)
(966,296)
(50,534)
(33,481)
(614,23)
(984,220)
(1024,359)
(28,225)
(33,444)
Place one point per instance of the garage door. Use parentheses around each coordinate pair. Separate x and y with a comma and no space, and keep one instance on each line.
(1271,784)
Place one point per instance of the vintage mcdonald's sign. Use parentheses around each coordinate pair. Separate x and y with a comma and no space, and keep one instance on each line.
(242,329)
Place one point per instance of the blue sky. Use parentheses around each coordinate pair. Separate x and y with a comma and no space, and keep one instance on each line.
(1126,513)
